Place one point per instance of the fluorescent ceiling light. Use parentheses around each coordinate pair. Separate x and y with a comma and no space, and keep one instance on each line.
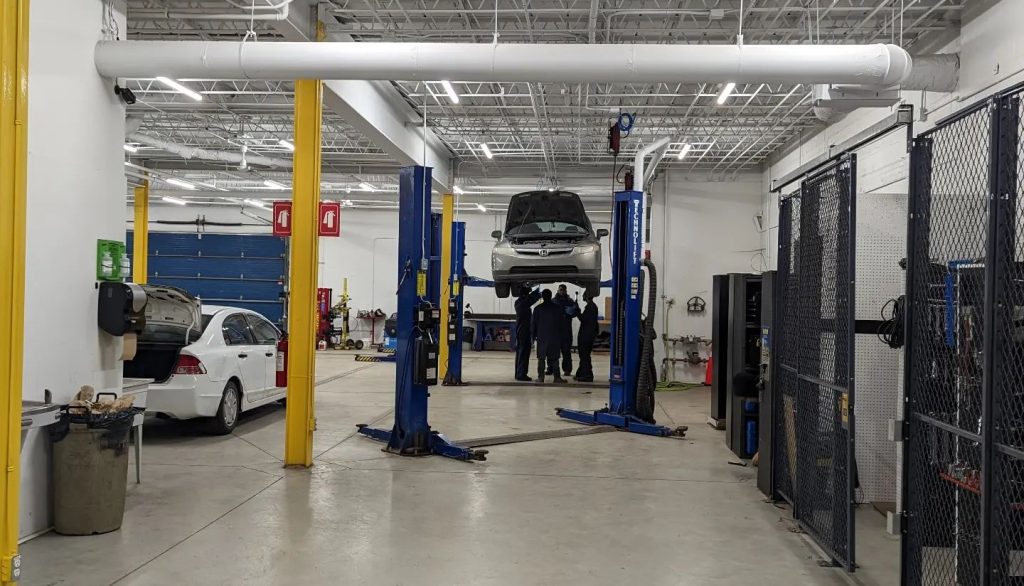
(447,85)
(481,207)
(551,189)
(347,203)
(255,203)
(273,184)
(131,148)
(366,187)
(487,150)
(286,144)
(180,183)
(684,151)
(180,88)
(457,190)
(174,200)
(725,93)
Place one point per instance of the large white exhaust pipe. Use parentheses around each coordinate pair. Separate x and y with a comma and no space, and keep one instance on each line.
(875,65)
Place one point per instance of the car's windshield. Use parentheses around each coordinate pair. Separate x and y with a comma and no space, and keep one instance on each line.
(546,212)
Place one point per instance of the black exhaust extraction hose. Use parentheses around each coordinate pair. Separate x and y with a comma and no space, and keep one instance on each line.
(648,375)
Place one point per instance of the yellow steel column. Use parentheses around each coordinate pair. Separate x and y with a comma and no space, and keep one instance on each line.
(447,217)
(13,152)
(299,418)
(140,246)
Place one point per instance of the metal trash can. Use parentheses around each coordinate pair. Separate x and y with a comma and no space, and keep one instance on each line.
(90,470)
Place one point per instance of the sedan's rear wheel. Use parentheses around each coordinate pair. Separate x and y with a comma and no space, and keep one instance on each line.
(227,414)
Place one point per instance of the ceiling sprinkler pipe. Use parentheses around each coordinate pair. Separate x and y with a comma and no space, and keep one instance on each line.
(190,152)
(876,65)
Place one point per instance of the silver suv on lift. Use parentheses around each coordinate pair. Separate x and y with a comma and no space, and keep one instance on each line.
(547,239)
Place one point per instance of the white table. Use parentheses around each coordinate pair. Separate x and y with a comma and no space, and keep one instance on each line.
(137,387)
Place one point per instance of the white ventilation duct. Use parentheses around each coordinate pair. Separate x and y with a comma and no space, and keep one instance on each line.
(933,73)
(190,152)
(877,65)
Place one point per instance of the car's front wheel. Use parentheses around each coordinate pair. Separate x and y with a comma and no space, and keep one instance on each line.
(503,290)
(227,414)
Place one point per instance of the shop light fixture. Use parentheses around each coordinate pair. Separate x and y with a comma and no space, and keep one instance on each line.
(174,200)
(273,184)
(367,187)
(448,89)
(174,85)
(481,207)
(487,150)
(684,151)
(286,145)
(131,148)
(457,190)
(255,203)
(180,183)
(725,93)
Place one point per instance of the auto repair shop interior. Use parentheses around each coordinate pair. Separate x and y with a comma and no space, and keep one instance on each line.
(304,251)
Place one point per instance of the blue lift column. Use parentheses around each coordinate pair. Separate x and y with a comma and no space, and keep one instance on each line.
(627,306)
(454,374)
(418,282)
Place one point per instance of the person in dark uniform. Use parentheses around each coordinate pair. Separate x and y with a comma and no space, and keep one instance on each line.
(569,311)
(585,339)
(548,328)
(524,337)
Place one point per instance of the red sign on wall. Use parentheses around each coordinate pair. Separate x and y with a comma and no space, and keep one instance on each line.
(330,218)
(282,218)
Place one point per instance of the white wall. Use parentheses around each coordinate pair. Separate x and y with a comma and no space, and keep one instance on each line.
(75,196)
(700,229)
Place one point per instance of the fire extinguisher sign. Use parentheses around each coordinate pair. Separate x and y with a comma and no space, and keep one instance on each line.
(282,218)
(330,218)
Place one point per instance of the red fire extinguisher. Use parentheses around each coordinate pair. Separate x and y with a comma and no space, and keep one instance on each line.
(282,363)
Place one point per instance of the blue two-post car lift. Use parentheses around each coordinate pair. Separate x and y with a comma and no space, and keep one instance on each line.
(418,282)
(626,328)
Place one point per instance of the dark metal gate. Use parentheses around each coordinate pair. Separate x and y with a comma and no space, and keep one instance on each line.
(787,354)
(963,485)
(814,439)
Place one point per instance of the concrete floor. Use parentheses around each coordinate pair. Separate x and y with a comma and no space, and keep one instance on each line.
(600,509)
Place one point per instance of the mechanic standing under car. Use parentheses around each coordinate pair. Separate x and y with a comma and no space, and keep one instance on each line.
(524,337)
(569,310)
(585,339)
(548,328)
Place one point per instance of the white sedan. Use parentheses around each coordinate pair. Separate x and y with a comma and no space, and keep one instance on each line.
(218,368)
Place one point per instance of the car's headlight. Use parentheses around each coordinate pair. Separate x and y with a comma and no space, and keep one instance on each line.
(586,248)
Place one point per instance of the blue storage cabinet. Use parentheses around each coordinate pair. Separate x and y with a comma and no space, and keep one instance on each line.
(239,270)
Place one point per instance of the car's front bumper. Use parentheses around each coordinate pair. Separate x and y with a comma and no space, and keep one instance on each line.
(185,397)
(576,266)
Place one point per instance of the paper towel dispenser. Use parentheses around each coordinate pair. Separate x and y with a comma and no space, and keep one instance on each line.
(122,308)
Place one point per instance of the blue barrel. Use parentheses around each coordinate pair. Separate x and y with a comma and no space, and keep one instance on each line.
(752,436)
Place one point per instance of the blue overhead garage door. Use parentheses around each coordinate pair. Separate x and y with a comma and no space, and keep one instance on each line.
(240,270)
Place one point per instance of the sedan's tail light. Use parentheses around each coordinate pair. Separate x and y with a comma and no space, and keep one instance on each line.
(189,365)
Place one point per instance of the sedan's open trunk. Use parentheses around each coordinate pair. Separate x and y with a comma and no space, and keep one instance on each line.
(173,321)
